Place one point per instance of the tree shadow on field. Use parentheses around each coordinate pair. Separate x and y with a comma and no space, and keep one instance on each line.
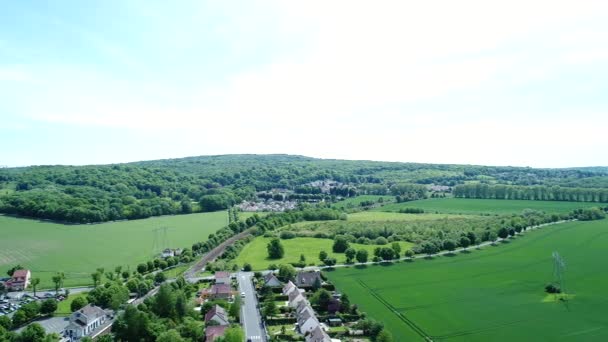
(428,257)
(505,241)
(386,264)
(465,251)
(409,260)
(450,255)
(361,267)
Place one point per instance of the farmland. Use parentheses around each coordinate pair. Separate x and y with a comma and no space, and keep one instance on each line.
(485,206)
(78,250)
(492,294)
(256,254)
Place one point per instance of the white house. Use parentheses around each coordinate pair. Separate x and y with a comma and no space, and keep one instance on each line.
(318,335)
(295,297)
(302,307)
(86,320)
(307,322)
(288,288)
(271,280)
(218,315)
(167,252)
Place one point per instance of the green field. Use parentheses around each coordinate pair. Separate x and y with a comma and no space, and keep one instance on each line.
(256,254)
(496,294)
(77,250)
(488,206)
(369,216)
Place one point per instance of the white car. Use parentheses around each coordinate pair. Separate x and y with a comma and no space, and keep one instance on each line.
(243,294)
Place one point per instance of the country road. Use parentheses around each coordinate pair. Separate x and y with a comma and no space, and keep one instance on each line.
(251,317)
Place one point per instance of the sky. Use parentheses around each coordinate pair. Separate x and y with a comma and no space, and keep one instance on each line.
(521,83)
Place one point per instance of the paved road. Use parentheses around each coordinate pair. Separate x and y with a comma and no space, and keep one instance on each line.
(250,315)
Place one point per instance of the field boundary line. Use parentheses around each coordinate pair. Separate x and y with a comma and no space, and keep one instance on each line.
(399,315)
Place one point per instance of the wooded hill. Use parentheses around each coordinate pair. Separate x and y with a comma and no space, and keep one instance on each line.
(99,193)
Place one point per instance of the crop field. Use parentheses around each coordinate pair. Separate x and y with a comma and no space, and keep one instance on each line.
(487,206)
(256,254)
(77,250)
(493,294)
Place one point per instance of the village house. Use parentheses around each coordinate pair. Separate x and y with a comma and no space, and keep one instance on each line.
(295,297)
(214,331)
(218,315)
(308,278)
(271,280)
(304,306)
(85,321)
(307,322)
(288,288)
(19,281)
(220,291)
(318,335)
(222,277)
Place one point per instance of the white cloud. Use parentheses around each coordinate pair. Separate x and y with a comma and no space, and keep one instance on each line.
(360,84)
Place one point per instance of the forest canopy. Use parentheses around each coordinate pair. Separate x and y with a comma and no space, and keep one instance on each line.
(96,193)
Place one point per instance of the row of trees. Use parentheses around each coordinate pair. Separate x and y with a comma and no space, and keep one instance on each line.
(544,193)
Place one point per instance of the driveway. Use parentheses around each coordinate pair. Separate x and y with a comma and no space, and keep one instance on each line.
(251,319)
(51,324)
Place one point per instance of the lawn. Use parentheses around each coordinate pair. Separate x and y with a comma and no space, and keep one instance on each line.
(256,254)
(489,206)
(64,307)
(77,250)
(495,294)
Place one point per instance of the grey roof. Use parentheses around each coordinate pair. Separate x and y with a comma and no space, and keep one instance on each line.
(307,278)
(318,335)
(92,311)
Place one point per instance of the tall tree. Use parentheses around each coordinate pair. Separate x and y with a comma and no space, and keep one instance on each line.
(35,282)
(275,249)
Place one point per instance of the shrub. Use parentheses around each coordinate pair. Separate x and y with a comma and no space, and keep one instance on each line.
(286,235)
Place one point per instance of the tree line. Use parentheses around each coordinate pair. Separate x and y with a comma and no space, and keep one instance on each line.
(540,193)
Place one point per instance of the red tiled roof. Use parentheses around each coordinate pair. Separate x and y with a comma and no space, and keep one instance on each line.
(20,273)
(220,289)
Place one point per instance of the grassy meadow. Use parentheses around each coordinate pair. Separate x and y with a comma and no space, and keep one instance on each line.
(370,216)
(485,206)
(494,294)
(77,250)
(256,253)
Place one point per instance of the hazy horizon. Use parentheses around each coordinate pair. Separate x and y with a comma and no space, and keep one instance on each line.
(521,83)
(299,155)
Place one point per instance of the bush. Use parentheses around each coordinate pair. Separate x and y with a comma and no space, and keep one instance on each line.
(286,235)
(381,241)
(48,306)
(78,303)
(552,288)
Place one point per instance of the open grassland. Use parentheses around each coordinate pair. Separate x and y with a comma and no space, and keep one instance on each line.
(256,253)
(368,216)
(77,250)
(494,294)
(485,206)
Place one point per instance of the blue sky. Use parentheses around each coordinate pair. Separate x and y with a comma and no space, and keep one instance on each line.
(519,83)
